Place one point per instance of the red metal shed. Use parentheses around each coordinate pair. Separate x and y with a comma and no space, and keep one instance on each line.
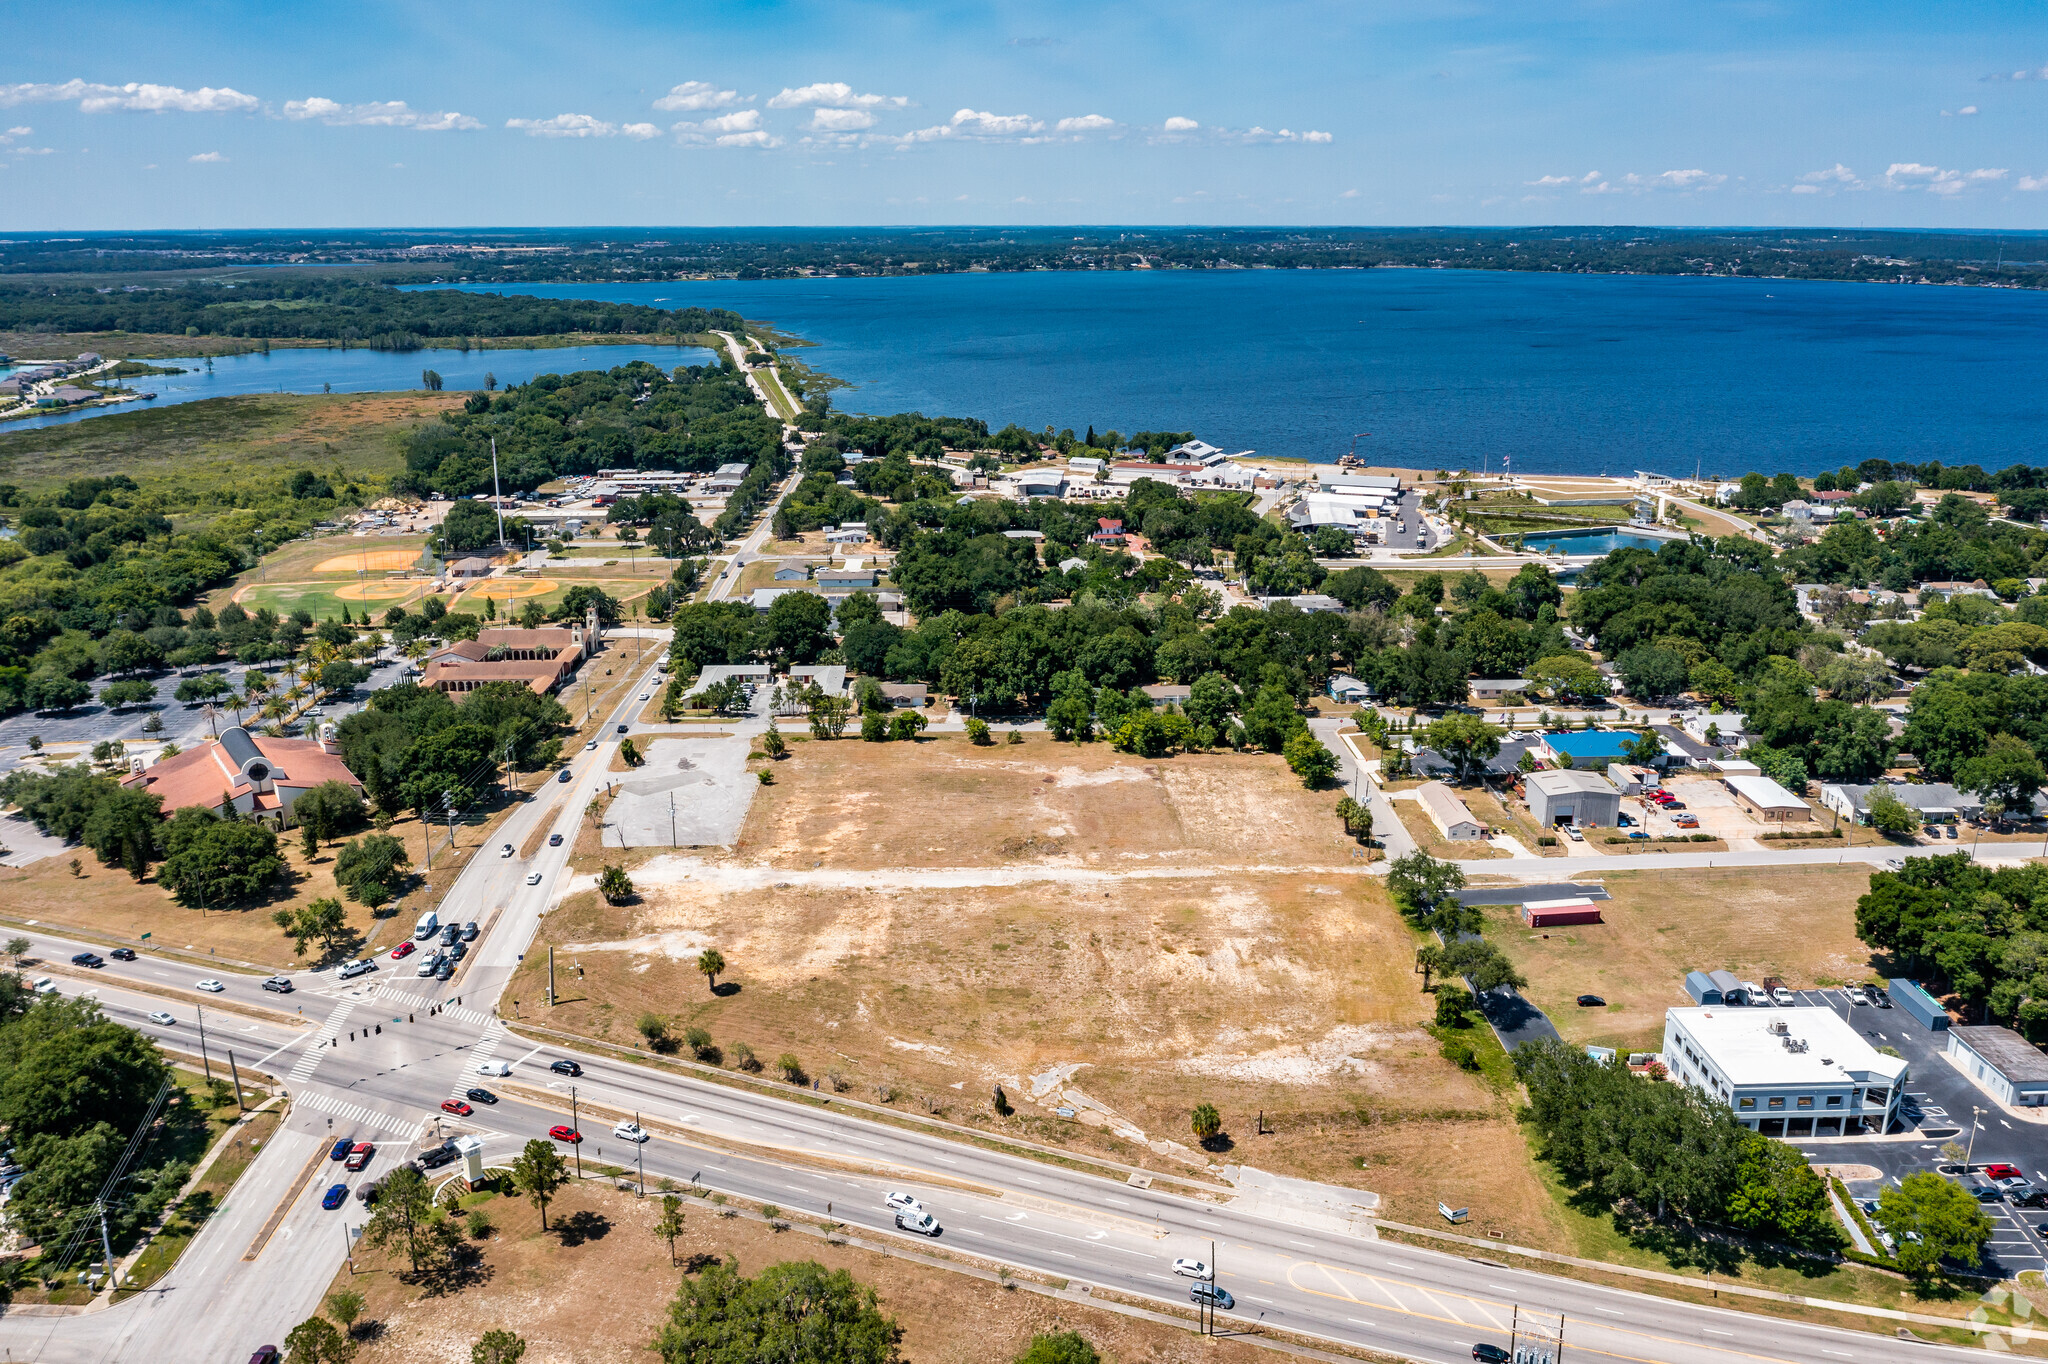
(1553,913)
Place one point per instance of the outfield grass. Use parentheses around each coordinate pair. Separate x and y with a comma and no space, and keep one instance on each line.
(228,438)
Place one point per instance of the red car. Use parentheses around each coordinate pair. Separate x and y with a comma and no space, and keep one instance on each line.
(359,1157)
(457,1107)
(2001,1170)
(563,1132)
(402,951)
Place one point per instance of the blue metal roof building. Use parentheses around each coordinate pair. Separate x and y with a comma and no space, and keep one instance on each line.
(1592,747)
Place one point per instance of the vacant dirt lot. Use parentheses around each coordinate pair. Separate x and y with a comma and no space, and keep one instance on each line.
(934,919)
(1798,923)
(602,1290)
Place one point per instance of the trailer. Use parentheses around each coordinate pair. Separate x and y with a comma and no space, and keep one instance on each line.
(1557,913)
(1925,1008)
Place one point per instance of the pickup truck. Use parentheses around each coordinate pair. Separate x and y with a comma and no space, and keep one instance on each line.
(1775,988)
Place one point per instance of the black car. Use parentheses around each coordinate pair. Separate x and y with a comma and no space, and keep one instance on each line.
(87,959)
(566,1068)
(449,933)
(1210,1293)
(469,931)
(123,954)
(434,1157)
(480,1095)
(458,952)
(564,775)
(1487,1353)
(1592,1002)
(445,971)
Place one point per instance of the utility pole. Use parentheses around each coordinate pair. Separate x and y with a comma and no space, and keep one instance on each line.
(448,804)
(497,500)
(201,1009)
(640,1156)
(576,1126)
(1976,1124)
(238,1082)
(106,1241)
(672,820)
(551,976)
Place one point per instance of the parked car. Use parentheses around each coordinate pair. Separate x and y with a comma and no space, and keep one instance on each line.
(457,1107)
(123,954)
(336,1196)
(1571,831)
(1193,1269)
(564,1132)
(565,1068)
(1783,997)
(1592,1002)
(402,951)
(360,1156)
(2003,1170)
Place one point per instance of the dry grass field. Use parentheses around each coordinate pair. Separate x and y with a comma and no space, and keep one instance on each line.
(602,1291)
(1798,923)
(935,918)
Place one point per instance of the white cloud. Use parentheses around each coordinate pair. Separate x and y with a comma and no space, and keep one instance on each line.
(2031,183)
(2040,74)
(1086,123)
(1550,180)
(1903,175)
(1806,189)
(640,132)
(834,95)
(1177,124)
(741,128)
(696,96)
(1349,194)
(564,125)
(384,114)
(841,120)
(1837,174)
(207,158)
(23,131)
(1681,180)
(975,125)
(1967,111)
(1179,129)
(96,99)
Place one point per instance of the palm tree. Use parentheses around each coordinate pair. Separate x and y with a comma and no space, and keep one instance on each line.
(614,885)
(711,962)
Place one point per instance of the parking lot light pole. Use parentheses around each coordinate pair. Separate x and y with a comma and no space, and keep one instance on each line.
(1976,1123)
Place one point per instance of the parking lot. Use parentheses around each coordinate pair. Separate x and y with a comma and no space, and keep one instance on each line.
(1941,1104)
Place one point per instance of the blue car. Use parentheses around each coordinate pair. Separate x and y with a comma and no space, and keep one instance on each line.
(336,1196)
(342,1148)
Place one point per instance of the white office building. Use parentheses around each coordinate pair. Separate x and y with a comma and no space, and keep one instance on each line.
(1799,1072)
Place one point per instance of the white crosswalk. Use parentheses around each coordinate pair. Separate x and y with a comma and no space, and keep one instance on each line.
(486,1047)
(316,1050)
(460,1012)
(354,1114)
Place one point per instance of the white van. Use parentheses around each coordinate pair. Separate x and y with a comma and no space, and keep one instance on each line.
(427,927)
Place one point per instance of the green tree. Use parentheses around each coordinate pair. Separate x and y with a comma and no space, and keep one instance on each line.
(1206,1122)
(977,732)
(124,828)
(1890,815)
(772,742)
(614,884)
(1418,883)
(1357,818)
(370,868)
(1272,718)
(1942,1218)
(1778,1195)
(405,1203)
(828,716)
(1649,672)
(119,694)
(654,1028)
(345,1307)
(2007,771)
(1713,680)
(497,1347)
(1452,1003)
(1568,677)
(225,863)
(629,753)
(797,628)
(1062,1347)
(323,921)
(1466,742)
(668,1223)
(538,1173)
(874,727)
(316,1341)
(1310,760)
(906,725)
(797,1312)
(712,963)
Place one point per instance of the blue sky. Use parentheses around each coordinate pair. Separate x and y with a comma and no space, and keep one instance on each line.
(1412,111)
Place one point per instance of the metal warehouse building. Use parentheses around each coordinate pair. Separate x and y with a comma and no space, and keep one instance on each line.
(1572,798)
(2005,1065)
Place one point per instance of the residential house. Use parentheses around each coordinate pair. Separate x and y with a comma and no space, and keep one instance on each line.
(1447,812)
(1502,690)
(1107,531)
(1937,802)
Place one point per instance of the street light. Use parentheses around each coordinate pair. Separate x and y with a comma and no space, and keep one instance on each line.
(1976,1123)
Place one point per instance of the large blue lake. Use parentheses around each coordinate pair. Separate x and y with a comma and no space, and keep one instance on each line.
(362,371)
(1564,373)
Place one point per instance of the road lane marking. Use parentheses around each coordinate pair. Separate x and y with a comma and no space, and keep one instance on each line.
(1303,1244)
(1610,1311)
(1712,1332)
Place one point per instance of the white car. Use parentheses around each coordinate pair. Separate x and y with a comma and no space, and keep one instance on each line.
(212,987)
(902,1202)
(431,964)
(162,1019)
(1193,1269)
(45,986)
(590,746)
(534,879)
(500,1068)
(631,1131)
(644,695)
(506,851)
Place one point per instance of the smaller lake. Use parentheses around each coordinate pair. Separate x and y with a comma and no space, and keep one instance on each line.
(305,370)
(1593,541)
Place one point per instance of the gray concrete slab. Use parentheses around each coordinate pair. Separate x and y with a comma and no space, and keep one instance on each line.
(25,844)
(691,793)
(1522,895)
